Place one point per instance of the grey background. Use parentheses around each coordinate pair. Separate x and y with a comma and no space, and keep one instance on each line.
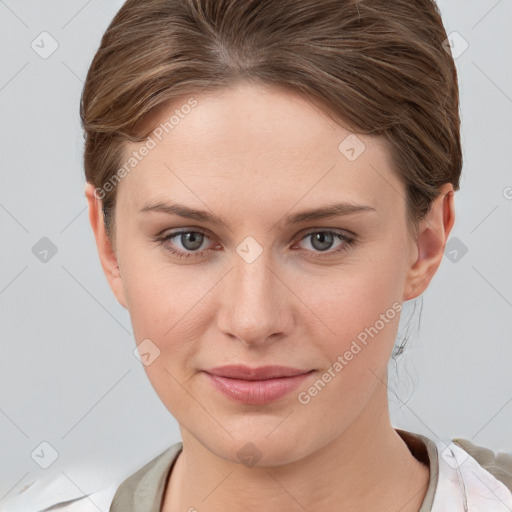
(68,375)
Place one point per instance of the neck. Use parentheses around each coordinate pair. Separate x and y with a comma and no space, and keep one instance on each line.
(367,467)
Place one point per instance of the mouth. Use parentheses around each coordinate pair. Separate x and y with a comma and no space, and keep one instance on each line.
(256,386)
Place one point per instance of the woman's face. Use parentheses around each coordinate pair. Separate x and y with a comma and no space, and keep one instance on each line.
(252,281)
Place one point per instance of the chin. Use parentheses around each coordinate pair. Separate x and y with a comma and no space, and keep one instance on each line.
(257,448)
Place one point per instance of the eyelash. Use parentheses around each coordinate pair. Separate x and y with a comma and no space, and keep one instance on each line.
(348,243)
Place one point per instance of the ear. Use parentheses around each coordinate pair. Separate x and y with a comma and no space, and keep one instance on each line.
(106,252)
(433,232)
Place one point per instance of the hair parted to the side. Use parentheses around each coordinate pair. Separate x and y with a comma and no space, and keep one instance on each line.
(379,65)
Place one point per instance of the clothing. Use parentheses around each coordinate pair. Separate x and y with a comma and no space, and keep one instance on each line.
(61,493)
(458,481)
(463,478)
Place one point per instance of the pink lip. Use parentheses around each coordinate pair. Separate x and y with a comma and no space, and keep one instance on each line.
(256,385)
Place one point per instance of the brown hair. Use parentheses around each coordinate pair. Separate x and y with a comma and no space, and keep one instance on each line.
(380,65)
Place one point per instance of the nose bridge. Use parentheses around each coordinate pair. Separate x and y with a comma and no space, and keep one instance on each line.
(253,305)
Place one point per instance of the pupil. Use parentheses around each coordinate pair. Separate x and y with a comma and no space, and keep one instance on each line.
(321,237)
(195,238)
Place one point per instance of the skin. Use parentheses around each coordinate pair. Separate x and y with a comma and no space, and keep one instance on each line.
(252,154)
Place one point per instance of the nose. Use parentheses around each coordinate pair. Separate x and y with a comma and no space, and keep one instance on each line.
(256,306)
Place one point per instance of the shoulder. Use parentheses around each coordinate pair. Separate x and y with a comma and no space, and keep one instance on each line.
(466,478)
(498,464)
(143,489)
(60,494)
(463,475)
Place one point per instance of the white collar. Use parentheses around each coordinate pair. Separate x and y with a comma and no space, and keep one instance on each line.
(465,486)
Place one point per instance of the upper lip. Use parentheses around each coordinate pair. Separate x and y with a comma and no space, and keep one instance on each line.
(259,373)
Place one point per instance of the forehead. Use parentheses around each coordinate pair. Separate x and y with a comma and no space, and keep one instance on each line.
(250,139)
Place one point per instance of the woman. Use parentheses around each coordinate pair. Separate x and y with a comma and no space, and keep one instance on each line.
(268,183)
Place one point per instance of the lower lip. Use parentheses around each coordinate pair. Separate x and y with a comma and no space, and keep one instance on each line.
(257,392)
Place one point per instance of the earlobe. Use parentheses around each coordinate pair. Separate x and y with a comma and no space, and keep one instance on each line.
(433,234)
(106,253)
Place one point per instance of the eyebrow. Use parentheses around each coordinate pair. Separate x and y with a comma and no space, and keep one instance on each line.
(324,212)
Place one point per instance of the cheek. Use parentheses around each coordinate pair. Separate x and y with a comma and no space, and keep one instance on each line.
(355,296)
(360,309)
(169,306)
(165,308)
(364,315)
(159,293)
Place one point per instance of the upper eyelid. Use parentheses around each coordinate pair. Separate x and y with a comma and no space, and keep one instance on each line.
(339,231)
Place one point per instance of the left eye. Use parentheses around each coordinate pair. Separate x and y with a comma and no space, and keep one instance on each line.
(322,241)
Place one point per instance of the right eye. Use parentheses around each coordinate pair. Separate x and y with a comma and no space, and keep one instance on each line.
(190,241)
